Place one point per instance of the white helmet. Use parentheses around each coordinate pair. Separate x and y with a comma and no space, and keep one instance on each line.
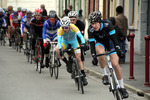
(72,14)
(1,10)
(65,21)
(24,9)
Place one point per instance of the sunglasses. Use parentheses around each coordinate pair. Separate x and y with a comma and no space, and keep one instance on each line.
(65,27)
(73,19)
(52,19)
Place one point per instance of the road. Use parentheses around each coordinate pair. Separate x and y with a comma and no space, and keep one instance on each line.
(20,81)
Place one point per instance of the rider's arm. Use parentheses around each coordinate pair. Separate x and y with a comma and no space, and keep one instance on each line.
(112,34)
(81,37)
(59,37)
(91,40)
(22,26)
(11,20)
(44,32)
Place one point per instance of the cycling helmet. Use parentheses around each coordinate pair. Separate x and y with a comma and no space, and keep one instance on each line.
(29,14)
(95,16)
(52,14)
(38,11)
(65,21)
(10,8)
(1,10)
(19,9)
(15,12)
(24,9)
(72,14)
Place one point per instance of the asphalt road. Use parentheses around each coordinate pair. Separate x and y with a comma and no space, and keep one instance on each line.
(20,81)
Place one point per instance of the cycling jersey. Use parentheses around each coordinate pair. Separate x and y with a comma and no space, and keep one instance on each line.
(50,31)
(36,26)
(81,27)
(25,24)
(2,20)
(103,36)
(14,20)
(70,37)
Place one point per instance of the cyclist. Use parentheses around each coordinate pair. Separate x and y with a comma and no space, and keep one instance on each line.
(67,34)
(22,13)
(2,19)
(49,34)
(36,26)
(14,23)
(25,24)
(74,20)
(103,32)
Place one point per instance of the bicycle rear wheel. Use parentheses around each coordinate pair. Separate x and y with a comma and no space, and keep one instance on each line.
(56,68)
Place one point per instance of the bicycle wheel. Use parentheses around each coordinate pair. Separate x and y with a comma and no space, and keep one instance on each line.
(78,76)
(40,59)
(56,68)
(36,58)
(114,84)
(50,66)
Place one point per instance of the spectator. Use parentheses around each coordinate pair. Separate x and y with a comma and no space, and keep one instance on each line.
(117,29)
(44,13)
(66,11)
(122,23)
(81,17)
(70,7)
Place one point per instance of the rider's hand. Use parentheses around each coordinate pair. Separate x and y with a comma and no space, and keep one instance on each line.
(44,44)
(86,47)
(119,52)
(60,52)
(95,60)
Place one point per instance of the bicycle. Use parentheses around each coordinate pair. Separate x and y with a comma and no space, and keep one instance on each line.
(76,73)
(17,39)
(113,82)
(27,50)
(2,37)
(38,54)
(53,60)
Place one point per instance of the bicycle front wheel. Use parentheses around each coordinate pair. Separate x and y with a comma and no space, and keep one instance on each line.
(50,66)
(114,84)
(56,68)
(78,76)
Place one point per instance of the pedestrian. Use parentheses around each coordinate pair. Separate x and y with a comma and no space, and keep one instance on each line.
(80,16)
(70,7)
(66,11)
(44,11)
(122,23)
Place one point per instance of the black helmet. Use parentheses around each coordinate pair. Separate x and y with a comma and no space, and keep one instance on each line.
(52,14)
(29,14)
(95,16)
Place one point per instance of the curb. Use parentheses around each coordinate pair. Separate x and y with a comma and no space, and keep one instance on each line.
(128,87)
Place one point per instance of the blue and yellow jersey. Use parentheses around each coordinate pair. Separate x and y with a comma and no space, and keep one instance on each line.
(71,35)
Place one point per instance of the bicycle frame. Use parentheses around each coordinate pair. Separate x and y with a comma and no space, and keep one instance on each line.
(109,72)
(52,50)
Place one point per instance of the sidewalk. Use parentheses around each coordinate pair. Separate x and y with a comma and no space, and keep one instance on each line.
(137,85)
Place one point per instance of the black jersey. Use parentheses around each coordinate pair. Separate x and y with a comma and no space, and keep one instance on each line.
(37,26)
(103,36)
(81,27)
